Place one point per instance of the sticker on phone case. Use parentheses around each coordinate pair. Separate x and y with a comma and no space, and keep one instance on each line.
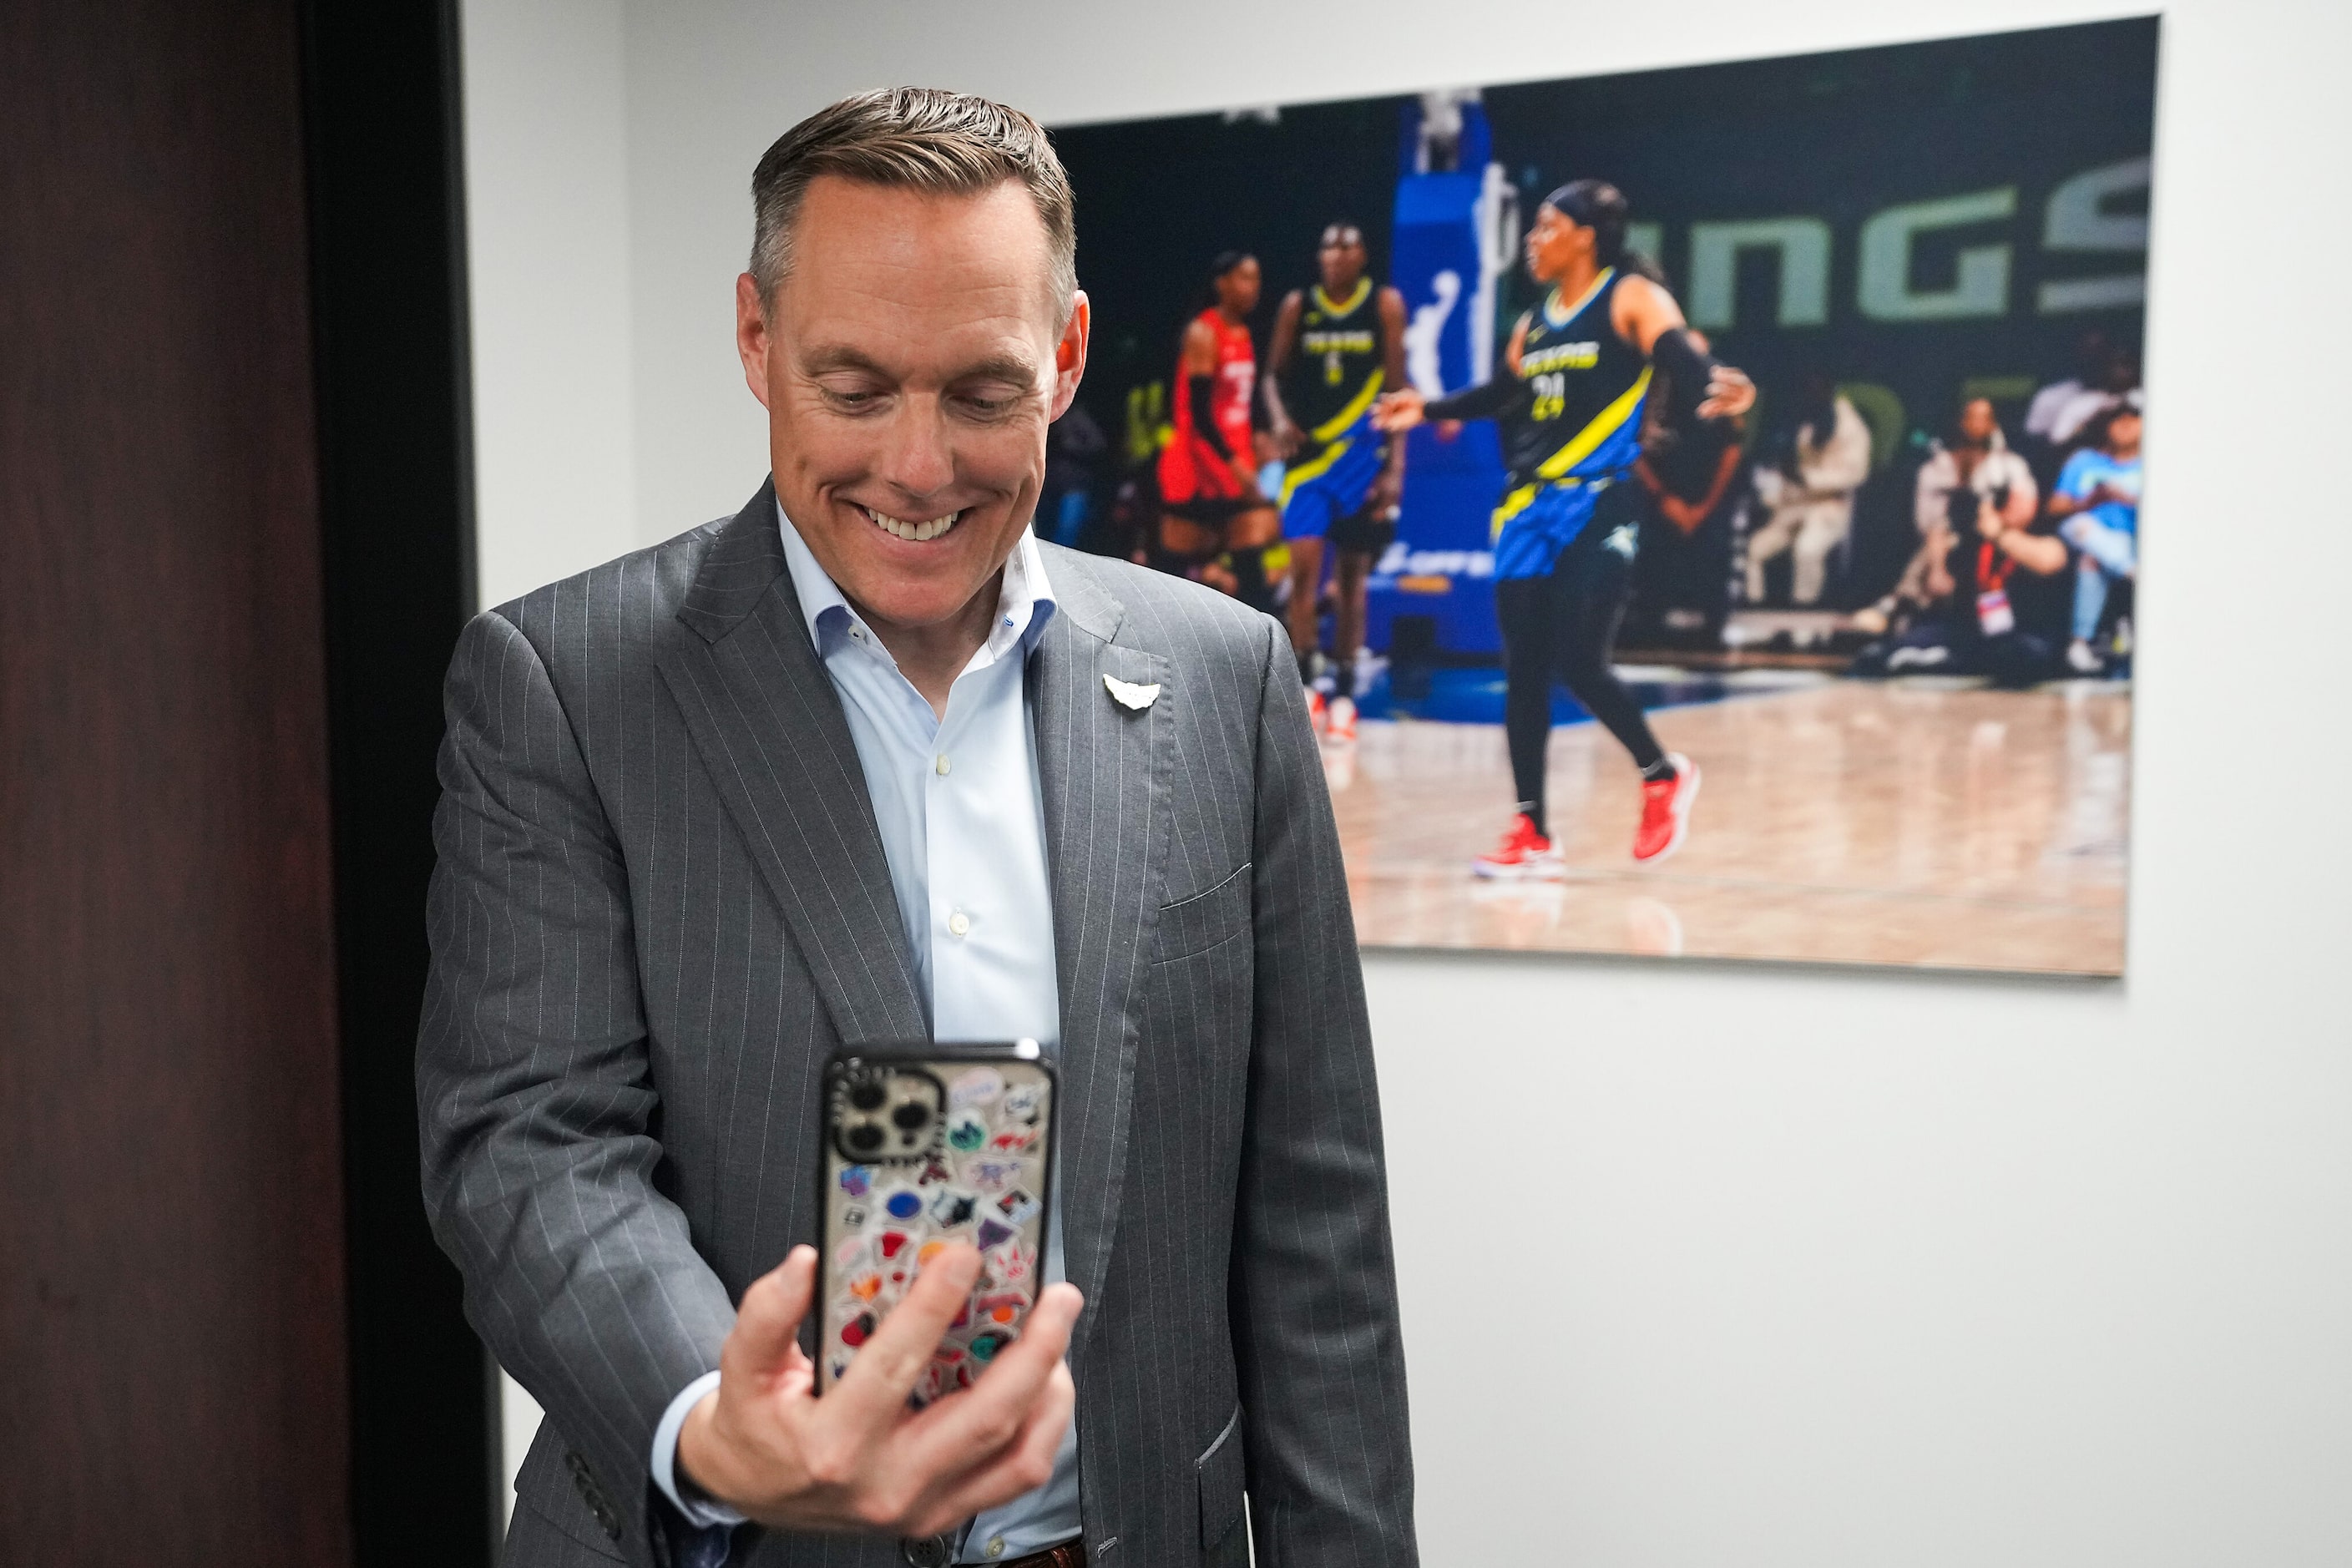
(991,1234)
(929,1251)
(985,1346)
(933,1173)
(952,1206)
(859,1330)
(992,1175)
(1001,1307)
(849,1254)
(981,1086)
(865,1287)
(966,1132)
(1017,1207)
(852,1216)
(902,1202)
(1024,1102)
(1012,1264)
(893,1242)
(1012,1139)
(856,1180)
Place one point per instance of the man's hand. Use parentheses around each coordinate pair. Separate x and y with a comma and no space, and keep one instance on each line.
(1729,393)
(1287,438)
(858,1459)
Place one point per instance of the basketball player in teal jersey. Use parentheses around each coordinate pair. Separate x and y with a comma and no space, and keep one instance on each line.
(1579,368)
(1336,346)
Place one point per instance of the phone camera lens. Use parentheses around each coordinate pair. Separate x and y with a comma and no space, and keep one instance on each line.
(867,1097)
(865,1140)
(911,1115)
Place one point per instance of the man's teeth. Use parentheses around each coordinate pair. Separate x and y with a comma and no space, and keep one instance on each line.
(917,531)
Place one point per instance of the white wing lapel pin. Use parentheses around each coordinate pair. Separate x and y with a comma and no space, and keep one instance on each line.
(1129,695)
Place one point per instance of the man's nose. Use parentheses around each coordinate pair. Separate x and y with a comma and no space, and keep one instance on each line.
(919,461)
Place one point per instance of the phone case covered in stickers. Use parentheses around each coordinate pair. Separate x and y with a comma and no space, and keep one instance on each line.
(923,1146)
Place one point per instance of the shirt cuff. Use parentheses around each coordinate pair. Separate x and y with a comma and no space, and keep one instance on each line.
(701,1513)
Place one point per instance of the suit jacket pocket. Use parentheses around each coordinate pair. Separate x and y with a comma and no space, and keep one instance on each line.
(1221,1475)
(556,1485)
(1205,919)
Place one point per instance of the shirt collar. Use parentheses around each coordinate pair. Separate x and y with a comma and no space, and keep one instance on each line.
(1024,601)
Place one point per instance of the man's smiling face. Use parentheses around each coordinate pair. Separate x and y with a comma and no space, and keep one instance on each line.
(910,361)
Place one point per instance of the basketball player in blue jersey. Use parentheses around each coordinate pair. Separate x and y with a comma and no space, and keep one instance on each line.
(1336,346)
(1579,368)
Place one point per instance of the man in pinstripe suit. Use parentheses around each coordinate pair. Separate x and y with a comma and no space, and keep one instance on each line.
(868,763)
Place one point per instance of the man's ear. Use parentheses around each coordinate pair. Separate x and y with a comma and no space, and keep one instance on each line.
(751,335)
(1070,353)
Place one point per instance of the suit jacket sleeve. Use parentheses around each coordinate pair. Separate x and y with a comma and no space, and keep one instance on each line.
(534,1092)
(1314,1282)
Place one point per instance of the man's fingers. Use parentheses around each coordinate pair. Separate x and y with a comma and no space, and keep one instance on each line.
(768,1321)
(1023,1465)
(885,1369)
(970,1426)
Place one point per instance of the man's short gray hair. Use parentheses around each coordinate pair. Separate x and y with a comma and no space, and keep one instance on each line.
(912,138)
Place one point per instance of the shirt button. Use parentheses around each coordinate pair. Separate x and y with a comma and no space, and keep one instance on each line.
(943,764)
(996,1547)
(959,923)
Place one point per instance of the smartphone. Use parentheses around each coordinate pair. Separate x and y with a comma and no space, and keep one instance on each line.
(925,1146)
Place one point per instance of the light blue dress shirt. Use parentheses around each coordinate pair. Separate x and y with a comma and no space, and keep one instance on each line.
(963,828)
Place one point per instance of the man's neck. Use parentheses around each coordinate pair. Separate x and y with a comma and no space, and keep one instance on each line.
(931,657)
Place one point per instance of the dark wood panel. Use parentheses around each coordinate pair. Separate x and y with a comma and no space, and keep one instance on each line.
(171,1322)
(387,270)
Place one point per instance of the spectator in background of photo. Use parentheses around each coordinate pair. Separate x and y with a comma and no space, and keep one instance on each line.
(1810,489)
(2094,353)
(1957,609)
(2095,504)
(2059,418)
(1684,562)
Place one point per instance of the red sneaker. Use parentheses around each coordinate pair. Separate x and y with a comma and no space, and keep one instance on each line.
(1665,810)
(1315,716)
(1523,852)
(1340,721)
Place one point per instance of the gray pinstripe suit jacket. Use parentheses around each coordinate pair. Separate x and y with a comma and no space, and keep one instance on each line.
(662,900)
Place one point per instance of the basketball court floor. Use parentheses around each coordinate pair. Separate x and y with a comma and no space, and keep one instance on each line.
(1912,822)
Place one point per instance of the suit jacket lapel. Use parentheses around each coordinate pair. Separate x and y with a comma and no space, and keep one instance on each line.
(1104,770)
(769,725)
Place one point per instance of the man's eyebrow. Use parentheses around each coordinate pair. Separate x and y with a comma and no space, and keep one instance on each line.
(1004,367)
(838,356)
(1010,368)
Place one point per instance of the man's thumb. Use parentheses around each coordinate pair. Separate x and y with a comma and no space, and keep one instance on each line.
(769,1319)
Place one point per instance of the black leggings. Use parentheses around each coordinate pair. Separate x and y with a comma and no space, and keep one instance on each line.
(1561,627)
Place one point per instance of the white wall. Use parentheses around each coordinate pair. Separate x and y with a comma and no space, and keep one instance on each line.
(547,222)
(1827,1268)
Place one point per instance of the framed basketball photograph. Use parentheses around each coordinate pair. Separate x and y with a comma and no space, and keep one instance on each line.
(1704,503)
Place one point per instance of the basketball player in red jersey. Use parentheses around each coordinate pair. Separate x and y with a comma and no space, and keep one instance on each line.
(1208,472)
